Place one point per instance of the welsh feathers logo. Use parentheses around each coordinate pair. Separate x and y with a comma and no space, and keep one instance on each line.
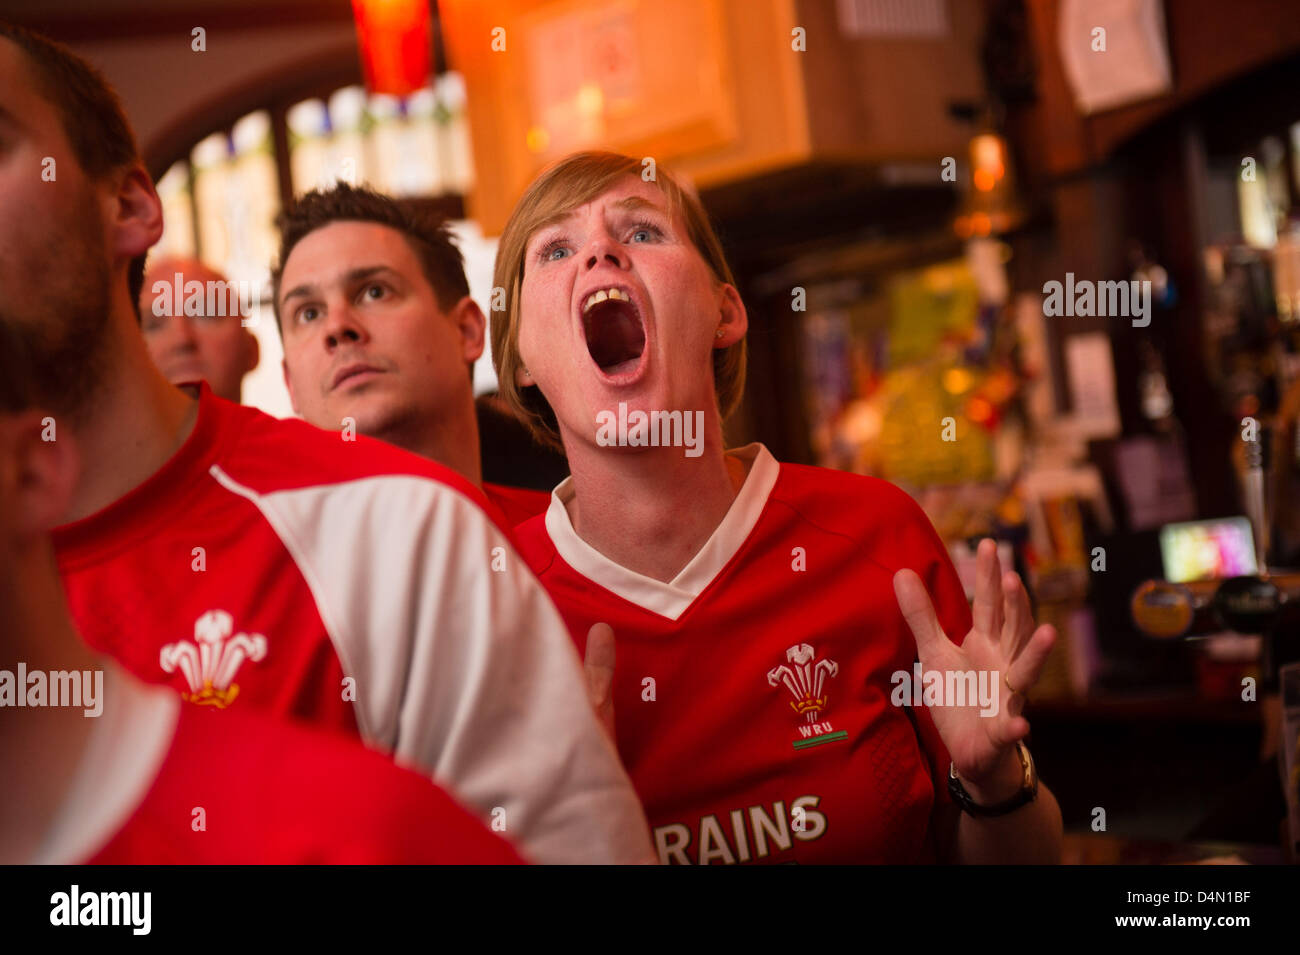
(805,678)
(210,663)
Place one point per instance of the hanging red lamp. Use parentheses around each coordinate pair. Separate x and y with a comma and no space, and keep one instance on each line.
(394,37)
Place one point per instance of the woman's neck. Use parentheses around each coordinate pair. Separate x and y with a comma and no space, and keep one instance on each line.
(651,511)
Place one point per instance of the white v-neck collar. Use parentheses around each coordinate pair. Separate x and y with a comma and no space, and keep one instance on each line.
(123,755)
(672,598)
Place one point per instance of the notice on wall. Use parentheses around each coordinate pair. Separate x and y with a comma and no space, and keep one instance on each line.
(1114,52)
(1090,370)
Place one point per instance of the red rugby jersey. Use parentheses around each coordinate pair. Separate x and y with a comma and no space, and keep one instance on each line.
(517,504)
(162,783)
(272,565)
(752,692)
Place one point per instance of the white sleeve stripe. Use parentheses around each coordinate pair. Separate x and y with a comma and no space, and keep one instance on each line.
(462,663)
(298,552)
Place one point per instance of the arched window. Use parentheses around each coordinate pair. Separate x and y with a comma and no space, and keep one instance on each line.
(220,201)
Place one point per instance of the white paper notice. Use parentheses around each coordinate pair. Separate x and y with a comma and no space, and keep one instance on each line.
(1114,51)
(1090,370)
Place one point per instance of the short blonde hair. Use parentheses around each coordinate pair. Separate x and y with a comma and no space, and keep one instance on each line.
(563,187)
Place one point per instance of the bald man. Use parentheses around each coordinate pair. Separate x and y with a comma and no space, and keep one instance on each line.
(215,348)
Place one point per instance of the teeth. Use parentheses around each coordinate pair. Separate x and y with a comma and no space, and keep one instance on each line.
(597,297)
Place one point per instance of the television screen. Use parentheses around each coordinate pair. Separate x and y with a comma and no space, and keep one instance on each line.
(1200,550)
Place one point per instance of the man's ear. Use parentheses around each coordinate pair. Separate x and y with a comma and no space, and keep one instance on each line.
(136,223)
(469,319)
(733,320)
(45,470)
(288,384)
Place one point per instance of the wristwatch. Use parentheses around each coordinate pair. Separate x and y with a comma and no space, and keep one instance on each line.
(1028,789)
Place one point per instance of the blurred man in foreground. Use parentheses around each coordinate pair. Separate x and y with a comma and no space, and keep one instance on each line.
(112,769)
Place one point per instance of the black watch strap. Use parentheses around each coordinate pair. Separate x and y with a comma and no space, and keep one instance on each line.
(1027,794)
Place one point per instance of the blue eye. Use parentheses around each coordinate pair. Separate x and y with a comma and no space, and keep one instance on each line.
(306,314)
(647,229)
(548,252)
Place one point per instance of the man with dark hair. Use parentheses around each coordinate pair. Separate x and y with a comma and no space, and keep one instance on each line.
(379,328)
(429,236)
(259,564)
(88,110)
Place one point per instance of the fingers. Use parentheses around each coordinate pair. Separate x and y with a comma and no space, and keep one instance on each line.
(598,668)
(1014,730)
(1028,667)
(918,611)
(986,612)
(1022,673)
(1013,726)
(1020,620)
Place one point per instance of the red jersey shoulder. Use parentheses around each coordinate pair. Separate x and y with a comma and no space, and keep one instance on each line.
(276,454)
(243,787)
(534,543)
(852,504)
(518,504)
(273,454)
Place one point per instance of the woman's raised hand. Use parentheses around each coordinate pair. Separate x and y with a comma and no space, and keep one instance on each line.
(1003,643)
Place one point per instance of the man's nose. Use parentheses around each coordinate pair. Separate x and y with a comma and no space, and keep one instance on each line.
(182,337)
(342,327)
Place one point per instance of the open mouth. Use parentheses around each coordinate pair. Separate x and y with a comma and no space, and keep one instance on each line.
(185,371)
(615,334)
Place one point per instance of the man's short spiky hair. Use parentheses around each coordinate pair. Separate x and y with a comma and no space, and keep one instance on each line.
(427,234)
(89,111)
